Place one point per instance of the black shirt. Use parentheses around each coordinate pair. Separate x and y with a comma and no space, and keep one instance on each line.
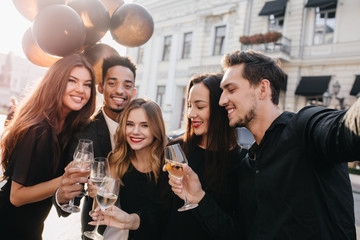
(32,162)
(296,184)
(216,217)
(151,201)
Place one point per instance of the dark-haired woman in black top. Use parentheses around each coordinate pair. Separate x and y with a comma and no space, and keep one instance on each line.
(215,156)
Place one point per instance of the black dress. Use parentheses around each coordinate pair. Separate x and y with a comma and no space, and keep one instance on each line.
(150,200)
(216,217)
(32,162)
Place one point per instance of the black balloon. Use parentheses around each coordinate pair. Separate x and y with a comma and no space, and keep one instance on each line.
(30,8)
(95,17)
(34,53)
(96,54)
(131,25)
(112,5)
(58,30)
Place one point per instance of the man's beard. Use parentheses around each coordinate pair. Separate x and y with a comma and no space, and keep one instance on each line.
(116,110)
(245,121)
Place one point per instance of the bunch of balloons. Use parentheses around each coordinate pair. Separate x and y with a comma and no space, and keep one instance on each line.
(63,27)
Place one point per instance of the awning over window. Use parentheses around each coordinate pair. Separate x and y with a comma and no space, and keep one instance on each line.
(356,86)
(320,3)
(276,8)
(313,86)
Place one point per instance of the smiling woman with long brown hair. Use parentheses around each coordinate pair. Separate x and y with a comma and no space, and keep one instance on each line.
(214,154)
(33,141)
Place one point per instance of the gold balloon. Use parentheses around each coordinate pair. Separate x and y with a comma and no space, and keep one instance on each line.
(96,54)
(34,53)
(112,5)
(131,25)
(30,8)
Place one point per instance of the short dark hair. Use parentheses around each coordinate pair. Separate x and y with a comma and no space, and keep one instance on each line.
(117,61)
(257,66)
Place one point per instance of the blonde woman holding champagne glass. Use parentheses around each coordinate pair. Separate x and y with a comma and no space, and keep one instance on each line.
(137,160)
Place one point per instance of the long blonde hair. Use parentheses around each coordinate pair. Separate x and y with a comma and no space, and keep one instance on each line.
(45,104)
(122,154)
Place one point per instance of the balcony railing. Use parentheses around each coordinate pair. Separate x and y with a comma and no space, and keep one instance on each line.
(281,45)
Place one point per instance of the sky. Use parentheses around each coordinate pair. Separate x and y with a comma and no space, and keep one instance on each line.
(13,26)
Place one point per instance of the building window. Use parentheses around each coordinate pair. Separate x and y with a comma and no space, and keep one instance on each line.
(167,46)
(324,26)
(276,24)
(140,55)
(186,45)
(160,94)
(219,43)
(183,107)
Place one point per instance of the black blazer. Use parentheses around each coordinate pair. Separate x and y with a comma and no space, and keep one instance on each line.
(98,132)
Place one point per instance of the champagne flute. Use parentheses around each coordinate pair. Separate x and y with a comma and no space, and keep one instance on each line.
(84,145)
(82,161)
(106,196)
(175,160)
(99,170)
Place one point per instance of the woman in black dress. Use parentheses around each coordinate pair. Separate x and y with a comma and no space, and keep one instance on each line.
(33,141)
(215,156)
(137,160)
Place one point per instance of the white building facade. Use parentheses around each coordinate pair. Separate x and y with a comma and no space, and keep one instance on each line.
(319,48)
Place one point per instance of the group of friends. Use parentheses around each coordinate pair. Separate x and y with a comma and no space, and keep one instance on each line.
(292,183)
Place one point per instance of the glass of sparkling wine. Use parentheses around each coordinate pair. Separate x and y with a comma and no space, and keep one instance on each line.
(84,145)
(82,160)
(99,170)
(106,196)
(175,160)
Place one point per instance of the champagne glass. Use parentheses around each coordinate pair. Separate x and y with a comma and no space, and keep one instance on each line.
(175,160)
(84,145)
(82,161)
(106,196)
(99,170)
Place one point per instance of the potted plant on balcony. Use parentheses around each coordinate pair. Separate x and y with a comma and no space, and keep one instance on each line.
(245,40)
(260,38)
(257,38)
(272,37)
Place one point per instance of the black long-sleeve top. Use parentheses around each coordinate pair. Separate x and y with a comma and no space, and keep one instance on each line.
(151,201)
(296,184)
(216,216)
